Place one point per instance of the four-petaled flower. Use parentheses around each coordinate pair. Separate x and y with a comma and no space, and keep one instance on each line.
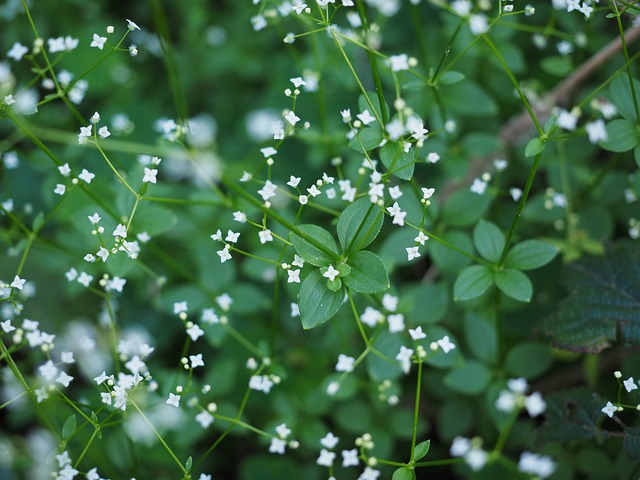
(98,41)
(150,175)
(331,273)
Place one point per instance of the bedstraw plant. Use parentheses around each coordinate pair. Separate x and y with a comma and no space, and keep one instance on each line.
(344,239)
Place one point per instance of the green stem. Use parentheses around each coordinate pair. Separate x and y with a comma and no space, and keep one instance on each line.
(627,61)
(507,70)
(158,436)
(523,200)
(416,411)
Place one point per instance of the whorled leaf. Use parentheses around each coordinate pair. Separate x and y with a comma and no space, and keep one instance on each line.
(307,247)
(358,225)
(317,303)
(603,306)
(368,274)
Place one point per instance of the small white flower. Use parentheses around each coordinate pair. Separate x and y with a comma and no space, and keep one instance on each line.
(98,41)
(173,400)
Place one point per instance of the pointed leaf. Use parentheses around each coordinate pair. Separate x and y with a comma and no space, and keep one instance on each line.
(489,240)
(317,303)
(368,273)
(366,139)
(358,225)
(188,464)
(514,283)
(534,147)
(310,251)
(399,162)
(421,450)
(450,77)
(69,427)
(530,254)
(472,282)
(603,305)
(402,473)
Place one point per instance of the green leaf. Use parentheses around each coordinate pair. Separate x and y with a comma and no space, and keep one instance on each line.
(534,147)
(528,359)
(317,303)
(556,66)
(154,219)
(421,450)
(571,415)
(366,139)
(488,240)
(551,123)
(471,379)
(402,473)
(632,443)
(472,282)
(446,258)
(310,252)
(514,283)
(450,77)
(358,225)
(399,162)
(69,427)
(363,104)
(622,136)
(188,464)
(465,208)
(38,222)
(530,254)
(621,97)
(368,273)
(604,304)
(480,333)
(456,98)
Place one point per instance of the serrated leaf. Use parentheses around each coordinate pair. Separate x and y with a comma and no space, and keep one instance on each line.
(69,427)
(402,473)
(368,273)
(530,254)
(603,306)
(472,378)
(399,162)
(514,283)
(358,225)
(534,147)
(622,135)
(421,450)
(317,303)
(450,77)
(366,139)
(632,443)
(571,415)
(488,240)
(310,251)
(472,282)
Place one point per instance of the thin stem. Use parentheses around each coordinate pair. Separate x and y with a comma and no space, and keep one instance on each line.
(159,437)
(523,200)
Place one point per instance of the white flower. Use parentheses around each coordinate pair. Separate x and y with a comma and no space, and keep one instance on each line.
(609,409)
(86,175)
(292,118)
(173,400)
(345,364)
(365,117)
(412,252)
(597,131)
(331,273)
(98,41)
(417,333)
(150,175)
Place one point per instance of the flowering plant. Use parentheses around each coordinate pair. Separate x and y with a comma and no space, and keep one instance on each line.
(378,269)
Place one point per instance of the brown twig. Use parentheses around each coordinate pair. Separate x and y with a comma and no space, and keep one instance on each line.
(515,128)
